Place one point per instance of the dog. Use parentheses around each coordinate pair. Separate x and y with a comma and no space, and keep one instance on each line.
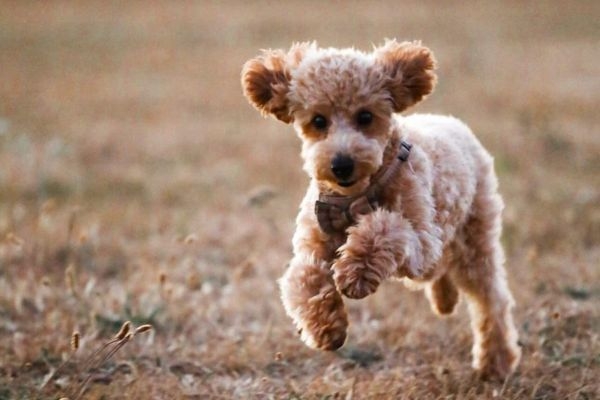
(413,198)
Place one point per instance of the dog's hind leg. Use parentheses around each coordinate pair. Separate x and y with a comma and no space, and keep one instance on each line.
(442,295)
(441,292)
(480,276)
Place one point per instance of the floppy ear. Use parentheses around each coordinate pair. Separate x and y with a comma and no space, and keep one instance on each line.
(266,80)
(408,66)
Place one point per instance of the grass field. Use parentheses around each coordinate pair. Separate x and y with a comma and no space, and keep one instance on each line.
(136,183)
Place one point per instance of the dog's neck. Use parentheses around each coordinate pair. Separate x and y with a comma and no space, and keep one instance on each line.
(390,158)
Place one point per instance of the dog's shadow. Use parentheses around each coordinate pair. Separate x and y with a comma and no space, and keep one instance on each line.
(362,357)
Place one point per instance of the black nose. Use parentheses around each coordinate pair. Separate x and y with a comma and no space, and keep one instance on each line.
(342,167)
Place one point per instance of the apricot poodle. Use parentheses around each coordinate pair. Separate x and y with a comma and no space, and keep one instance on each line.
(412,198)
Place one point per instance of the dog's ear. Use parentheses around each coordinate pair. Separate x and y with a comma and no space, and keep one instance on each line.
(408,67)
(266,79)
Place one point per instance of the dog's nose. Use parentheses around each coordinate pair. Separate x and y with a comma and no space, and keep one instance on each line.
(342,166)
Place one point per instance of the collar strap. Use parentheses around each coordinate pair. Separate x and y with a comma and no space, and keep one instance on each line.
(336,213)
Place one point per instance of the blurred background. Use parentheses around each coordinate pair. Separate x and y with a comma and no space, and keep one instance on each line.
(136,183)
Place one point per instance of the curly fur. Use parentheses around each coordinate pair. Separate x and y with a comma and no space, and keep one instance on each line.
(439,222)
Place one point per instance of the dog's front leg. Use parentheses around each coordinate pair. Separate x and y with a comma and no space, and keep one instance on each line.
(311,299)
(308,292)
(381,244)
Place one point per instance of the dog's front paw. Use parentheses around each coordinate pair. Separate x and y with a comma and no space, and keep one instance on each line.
(370,254)
(355,278)
(311,299)
(320,338)
(324,321)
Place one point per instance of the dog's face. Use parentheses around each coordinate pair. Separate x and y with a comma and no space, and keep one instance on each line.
(340,102)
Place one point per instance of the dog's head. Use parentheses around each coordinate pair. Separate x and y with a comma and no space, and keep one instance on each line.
(341,102)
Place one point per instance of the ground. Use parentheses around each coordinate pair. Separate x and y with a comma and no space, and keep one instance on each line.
(138,184)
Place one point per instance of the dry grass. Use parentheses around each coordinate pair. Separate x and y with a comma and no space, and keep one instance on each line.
(137,184)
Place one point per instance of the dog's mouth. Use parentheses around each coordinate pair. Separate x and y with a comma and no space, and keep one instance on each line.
(346,184)
(349,187)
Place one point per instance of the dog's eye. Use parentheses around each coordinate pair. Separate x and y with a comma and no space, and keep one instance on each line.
(364,118)
(319,122)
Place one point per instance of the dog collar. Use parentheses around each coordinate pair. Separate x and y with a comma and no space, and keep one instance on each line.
(336,213)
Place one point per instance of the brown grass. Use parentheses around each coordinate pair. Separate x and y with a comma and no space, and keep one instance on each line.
(137,184)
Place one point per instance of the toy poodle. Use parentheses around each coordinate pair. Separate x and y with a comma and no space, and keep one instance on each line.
(413,198)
